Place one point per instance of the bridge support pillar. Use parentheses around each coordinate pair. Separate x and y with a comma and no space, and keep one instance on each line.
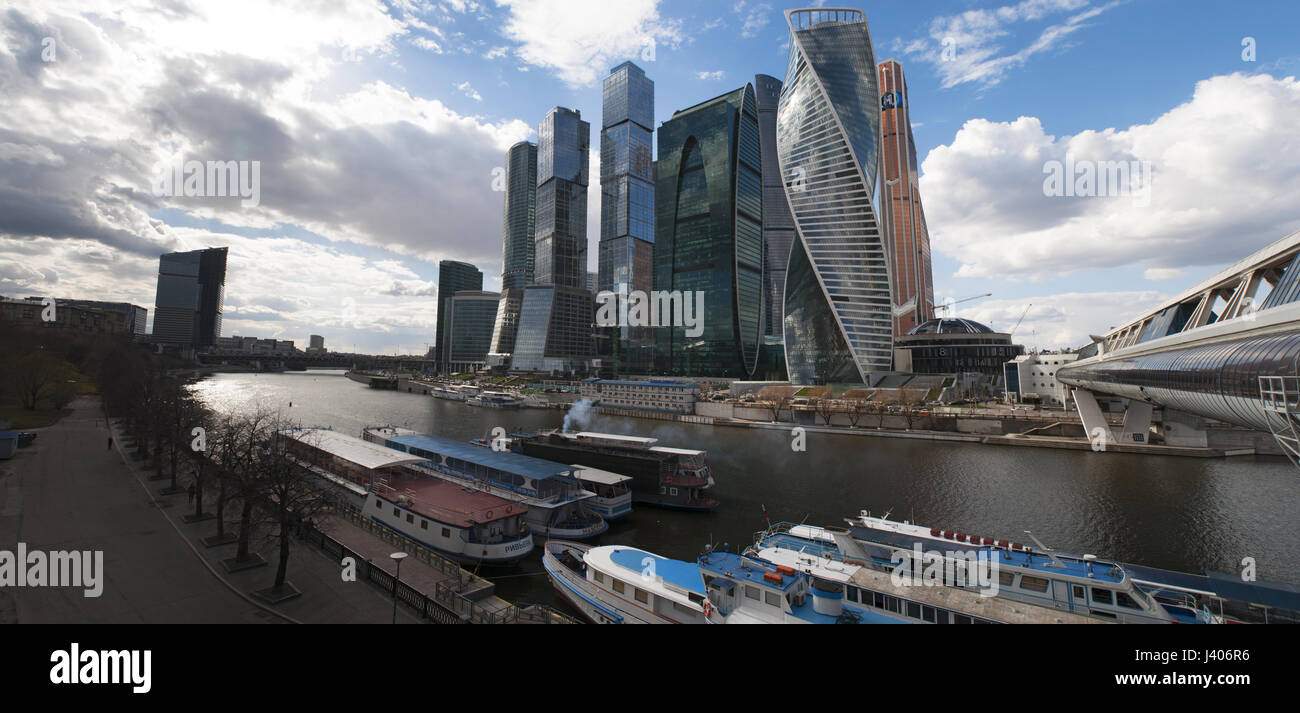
(1184,429)
(1094,421)
(1137,422)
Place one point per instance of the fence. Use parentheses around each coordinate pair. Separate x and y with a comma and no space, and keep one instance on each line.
(449,604)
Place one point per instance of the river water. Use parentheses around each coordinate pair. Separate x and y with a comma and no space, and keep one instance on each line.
(1186,514)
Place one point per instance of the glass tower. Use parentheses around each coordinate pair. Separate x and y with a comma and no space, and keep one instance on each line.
(453,277)
(838,306)
(191,291)
(709,234)
(473,316)
(900,205)
(561,219)
(519,216)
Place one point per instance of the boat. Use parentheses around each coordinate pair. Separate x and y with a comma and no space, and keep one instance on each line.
(934,575)
(492,399)
(453,393)
(617,584)
(380,484)
(554,499)
(661,475)
(613,495)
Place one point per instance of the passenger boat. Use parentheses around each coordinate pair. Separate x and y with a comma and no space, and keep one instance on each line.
(663,476)
(452,393)
(554,499)
(616,584)
(490,399)
(381,485)
(1057,587)
(613,496)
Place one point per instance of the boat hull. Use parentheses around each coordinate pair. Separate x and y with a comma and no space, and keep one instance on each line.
(594,604)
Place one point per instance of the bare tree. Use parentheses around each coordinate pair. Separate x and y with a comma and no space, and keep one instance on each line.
(290,493)
(824,407)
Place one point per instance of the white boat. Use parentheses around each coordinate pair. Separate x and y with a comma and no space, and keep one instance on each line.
(490,399)
(625,585)
(555,501)
(613,495)
(465,525)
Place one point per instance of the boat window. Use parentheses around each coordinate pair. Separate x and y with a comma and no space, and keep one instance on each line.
(927,613)
(1079,594)
(397,512)
(772,598)
(446,532)
(1106,614)
(852,593)
(960,619)
(1126,601)
(378,505)
(913,610)
(695,598)
(752,593)
(878,600)
(424,524)
(1006,579)
(1033,584)
(641,595)
(598,576)
(410,517)
(1101,596)
(618,586)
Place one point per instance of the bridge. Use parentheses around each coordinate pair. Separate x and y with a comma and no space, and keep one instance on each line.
(328,360)
(1225,349)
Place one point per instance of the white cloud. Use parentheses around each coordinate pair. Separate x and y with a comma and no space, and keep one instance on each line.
(468,91)
(1157,274)
(1225,182)
(1061,321)
(711,76)
(580,40)
(965,47)
(753,20)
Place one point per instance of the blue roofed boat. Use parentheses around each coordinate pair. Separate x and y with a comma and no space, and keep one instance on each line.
(555,499)
(617,584)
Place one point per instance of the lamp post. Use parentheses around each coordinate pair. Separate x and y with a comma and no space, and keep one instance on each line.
(397,557)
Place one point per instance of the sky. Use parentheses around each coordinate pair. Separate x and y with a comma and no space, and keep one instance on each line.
(380,130)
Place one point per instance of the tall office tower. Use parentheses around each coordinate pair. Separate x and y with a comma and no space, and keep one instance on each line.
(838,307)
(561,223)
(778,224)
(901,215)
(518,224)
(453,277)
(709,234)
(191,290)
(626,248)
(473,315)
(506,328)
(556,313)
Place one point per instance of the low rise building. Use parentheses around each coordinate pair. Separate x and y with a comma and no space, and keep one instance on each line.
(1032,377)
(666,396)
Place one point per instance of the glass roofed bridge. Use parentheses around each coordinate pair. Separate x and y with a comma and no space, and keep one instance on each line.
(1225,349)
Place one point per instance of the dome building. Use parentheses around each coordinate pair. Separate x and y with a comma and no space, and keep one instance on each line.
(952,345)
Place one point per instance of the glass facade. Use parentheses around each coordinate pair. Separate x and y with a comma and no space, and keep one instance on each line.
(627,206)
(453,276)
(838,304)
(709,234)
(506,328)
(560,252)
(900,199)
(778,224)
(519,218)
(554,332)
(191,292)
(473,317)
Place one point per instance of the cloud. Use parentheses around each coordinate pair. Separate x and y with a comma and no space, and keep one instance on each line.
(580,40)
(1217,193)
(1157,274)
(754,20)
(711,76)
(966,47)
(1061,321)
(468,91)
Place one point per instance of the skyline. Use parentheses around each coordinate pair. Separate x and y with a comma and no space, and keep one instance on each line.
(368,165)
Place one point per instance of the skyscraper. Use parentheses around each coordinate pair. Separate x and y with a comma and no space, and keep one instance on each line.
(561,221)
(778,224)
(709,234)
(838,307)
(472,317)
(518,224)
(557,312)
(453,277)
(901,215)
(626,248)
(191,290)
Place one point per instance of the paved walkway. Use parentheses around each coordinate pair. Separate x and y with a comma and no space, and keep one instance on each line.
(68,492)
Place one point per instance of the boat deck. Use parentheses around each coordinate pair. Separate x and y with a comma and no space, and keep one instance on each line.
(452,504)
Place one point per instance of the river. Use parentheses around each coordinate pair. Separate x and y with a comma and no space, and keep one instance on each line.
(1186,514)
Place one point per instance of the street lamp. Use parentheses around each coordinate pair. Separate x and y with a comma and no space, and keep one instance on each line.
(397,557)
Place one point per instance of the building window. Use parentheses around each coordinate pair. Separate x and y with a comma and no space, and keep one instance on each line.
(410,517)
(424,524)
(397,513)
(446,532)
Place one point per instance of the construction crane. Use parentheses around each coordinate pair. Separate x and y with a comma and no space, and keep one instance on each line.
(946,305)
(1022,318)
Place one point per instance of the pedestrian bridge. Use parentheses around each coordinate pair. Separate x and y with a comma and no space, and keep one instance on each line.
(1225,349)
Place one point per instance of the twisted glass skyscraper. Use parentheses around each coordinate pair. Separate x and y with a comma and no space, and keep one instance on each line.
(838,316)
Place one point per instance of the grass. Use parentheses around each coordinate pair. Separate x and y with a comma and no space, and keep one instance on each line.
(22,418)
